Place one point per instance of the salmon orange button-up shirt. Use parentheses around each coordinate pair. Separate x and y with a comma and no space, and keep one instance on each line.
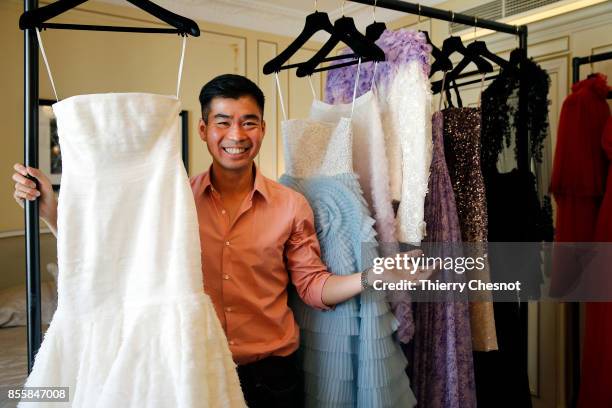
(248,264)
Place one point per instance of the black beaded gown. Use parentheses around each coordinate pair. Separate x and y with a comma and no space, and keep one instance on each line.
(516,215)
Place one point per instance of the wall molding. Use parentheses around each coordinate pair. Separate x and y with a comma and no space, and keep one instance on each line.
(269,149)
(21,233)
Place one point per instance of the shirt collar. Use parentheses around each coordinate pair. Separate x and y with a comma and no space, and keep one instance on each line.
(260,185)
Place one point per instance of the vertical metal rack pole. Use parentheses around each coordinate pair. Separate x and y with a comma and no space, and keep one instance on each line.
(522,127)
(576,69)
(32,237)
(523,164)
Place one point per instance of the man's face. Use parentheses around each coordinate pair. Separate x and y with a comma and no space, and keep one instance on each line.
(234,132)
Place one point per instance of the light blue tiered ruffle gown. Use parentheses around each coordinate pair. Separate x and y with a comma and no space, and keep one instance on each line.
(348,354)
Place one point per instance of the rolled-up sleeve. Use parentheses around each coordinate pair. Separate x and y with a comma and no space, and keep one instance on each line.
(303,256)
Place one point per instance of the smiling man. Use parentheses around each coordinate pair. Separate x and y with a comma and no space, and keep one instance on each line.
(257,237)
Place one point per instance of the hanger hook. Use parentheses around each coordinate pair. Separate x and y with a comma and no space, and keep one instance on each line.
(475,22)
(374,10)
(419,12)
(452,16)
(316,8)
(591,60)
(518,38)
(342,7)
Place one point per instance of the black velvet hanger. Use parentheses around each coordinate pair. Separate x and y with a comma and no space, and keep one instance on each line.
(375,30)
(441,61)
(480,48)
(315,22)
(346,32)
(454,44)
(373,33)
(37,18)
(516,57)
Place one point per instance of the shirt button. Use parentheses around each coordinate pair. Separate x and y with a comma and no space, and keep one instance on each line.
(231,342)
(226,276)
(228,309)
(222,211)
(227,243)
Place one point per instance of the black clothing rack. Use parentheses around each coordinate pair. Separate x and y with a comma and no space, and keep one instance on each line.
(522,139)
(575,306)
(578,61)
(31,96)
(31,105)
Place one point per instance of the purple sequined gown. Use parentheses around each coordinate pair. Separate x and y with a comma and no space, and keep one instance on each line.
(442,371)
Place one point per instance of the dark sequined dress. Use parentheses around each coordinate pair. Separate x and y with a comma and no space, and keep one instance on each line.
(462,150)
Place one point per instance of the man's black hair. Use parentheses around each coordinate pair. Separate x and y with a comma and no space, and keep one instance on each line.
(229,86)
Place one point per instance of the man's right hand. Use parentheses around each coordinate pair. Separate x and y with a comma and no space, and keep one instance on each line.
(25,189)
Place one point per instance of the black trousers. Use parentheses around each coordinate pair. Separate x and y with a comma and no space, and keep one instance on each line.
(274,382)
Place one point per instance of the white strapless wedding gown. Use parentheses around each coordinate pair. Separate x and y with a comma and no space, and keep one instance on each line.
(133,327)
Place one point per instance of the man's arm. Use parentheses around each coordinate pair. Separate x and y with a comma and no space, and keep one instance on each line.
(338,289)
(308,273)
(314,283)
